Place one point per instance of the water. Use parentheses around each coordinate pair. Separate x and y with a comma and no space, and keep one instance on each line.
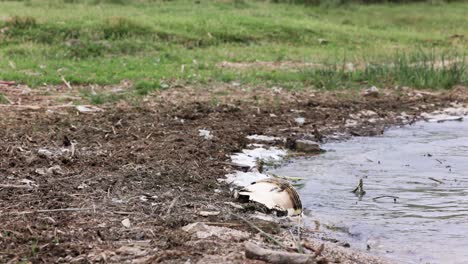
(428,223)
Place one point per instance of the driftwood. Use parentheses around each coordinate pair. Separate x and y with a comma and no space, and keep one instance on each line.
(253,251)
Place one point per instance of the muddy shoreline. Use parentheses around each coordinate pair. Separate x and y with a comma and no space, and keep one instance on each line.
(118,185)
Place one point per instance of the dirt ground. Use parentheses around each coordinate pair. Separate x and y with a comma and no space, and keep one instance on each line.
(117,185)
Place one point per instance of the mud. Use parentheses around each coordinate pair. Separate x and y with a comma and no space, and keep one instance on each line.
(69,179)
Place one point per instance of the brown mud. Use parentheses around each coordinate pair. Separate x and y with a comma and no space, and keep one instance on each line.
(118,185)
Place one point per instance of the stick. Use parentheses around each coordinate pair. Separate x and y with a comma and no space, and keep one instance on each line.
(66,83)
(253,251)
(384,196)
(8,100)
(436,180)
(172,205)
(265,234)
(55,210)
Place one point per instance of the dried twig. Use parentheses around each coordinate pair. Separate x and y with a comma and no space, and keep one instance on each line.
(55,210)
(66,83)
(436,180)
(385,196)
(169,209)
(7,99)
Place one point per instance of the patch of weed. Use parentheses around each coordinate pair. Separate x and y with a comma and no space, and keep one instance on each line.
(146,87)
(120,27)
(21,22)
(3,99)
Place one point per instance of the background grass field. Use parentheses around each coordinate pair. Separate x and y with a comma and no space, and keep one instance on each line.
(157,43)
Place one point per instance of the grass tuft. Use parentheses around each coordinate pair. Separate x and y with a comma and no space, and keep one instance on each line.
(121,27)
(3,99)
(146,87)
(21,22)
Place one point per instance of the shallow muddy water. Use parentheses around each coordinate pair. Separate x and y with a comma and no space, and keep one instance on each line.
(424,165)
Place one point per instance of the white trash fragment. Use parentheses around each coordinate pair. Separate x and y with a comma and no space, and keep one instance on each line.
(368,113)
(300,120)
(201,230)
(208,213)
(248,157)
(205,133)
(441,118)
(237,206)
(351,123)
(45,153)
(82,186)
(88,109)
(28,182)
(373,91)
(263,138)
(126,223)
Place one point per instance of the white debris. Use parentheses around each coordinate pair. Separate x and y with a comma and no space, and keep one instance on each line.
(351,123)
(205,133)
(300,120)
(117,200)
(441,117)
(54,170)
(52,153)
(255,145)
(201,230)
(248,157)
(88,109)
(45,153)
(28,182)
(242,179)
(126,223)
(455,113)
(458,111)
(367,113)
(263,138)
(237,206)
(208,213)
(82,186)
(373,91)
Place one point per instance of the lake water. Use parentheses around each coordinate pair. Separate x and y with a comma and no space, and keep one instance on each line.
(424,165)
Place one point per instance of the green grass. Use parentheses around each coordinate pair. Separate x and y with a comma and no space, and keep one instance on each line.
(158,42)
(3,99)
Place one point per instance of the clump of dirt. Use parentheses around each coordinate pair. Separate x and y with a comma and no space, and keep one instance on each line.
(117,185)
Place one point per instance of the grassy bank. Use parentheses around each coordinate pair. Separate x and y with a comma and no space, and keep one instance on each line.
(156,43)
